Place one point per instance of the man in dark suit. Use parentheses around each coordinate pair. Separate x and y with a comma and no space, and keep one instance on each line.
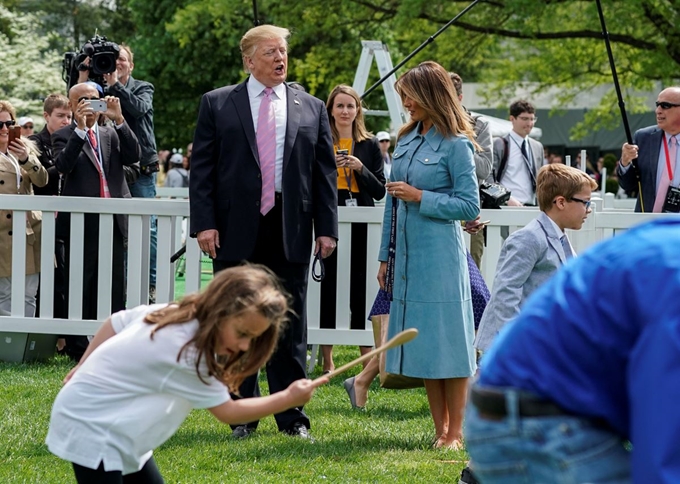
(91,158)
(263,176)
(650,150)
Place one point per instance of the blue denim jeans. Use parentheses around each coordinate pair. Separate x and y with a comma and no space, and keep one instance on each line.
(145,187)
(560,449)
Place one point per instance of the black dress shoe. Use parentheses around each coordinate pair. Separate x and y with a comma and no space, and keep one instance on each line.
(242,431)
(299,430)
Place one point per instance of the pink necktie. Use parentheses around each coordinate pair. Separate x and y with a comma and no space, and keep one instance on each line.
(266,148)
(665,181)
(103,186)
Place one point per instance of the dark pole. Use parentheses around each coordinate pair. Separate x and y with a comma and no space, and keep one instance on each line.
(421,47)
(622,104)
(256,20)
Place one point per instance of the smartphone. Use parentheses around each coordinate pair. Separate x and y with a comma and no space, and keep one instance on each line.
(342,152)
(98,106)
(14,133)
(486,222)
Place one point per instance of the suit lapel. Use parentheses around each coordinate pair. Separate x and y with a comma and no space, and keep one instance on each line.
(292,123)
(242,104)
(90,152)
(553,237)
(655,140)
(105,148)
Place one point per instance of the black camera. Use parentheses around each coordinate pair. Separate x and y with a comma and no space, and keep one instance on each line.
(103,55)
(493,195)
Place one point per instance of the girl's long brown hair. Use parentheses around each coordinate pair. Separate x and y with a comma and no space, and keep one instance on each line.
(359,131)
(430,85)
(233,292)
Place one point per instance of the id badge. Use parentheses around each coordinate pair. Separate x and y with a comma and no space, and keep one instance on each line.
(351,202)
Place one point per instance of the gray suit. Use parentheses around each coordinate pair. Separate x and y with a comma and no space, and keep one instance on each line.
(528,258)
(499,152)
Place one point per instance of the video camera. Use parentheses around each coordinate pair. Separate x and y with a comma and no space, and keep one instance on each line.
(103,55)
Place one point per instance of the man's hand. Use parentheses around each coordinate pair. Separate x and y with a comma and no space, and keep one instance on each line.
(209,241)
(81,112)
(113,110)
(513,202)
(326,245)
(628,154)
(111,78)
(83,76)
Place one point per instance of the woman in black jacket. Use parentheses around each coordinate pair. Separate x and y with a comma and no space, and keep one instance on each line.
(360,182)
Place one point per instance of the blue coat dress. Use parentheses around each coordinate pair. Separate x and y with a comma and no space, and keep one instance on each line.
(431,283)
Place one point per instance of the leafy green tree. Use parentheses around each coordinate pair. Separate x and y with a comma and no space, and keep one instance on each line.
(29,69)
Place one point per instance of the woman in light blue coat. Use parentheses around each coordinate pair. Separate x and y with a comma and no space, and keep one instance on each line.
(434,185)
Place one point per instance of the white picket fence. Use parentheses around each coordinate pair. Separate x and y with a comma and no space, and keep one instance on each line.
(602,223)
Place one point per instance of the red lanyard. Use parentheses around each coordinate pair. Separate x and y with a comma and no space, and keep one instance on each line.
(668,158)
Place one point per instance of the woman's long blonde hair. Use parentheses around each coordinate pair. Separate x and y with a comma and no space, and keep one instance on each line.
(430,85)
(233,292)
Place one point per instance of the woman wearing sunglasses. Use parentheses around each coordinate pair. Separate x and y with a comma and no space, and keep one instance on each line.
(20,169)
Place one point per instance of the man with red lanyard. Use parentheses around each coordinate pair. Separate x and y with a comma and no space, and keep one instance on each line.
(656,150)
(91,159)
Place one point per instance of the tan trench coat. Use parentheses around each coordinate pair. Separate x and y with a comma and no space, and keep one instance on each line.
(32,172)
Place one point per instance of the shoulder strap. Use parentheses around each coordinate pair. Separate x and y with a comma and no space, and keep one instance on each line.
(504,159)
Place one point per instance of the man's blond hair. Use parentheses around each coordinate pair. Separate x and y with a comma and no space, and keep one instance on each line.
(254,36)
(560,180)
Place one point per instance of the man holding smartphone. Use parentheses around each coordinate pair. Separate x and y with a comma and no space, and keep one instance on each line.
(91,158)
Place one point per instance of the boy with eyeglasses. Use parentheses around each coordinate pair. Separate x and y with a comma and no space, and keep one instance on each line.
(656,150)
(517,157)
(532,254)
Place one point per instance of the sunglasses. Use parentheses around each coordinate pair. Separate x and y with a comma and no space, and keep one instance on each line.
(9,123)
(27,126)
(384,141)
(665,105)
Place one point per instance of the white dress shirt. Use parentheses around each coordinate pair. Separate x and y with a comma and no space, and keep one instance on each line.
(516,176)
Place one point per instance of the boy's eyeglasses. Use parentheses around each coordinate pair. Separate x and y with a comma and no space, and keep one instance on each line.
(9,123)
(666,105)
(584,202)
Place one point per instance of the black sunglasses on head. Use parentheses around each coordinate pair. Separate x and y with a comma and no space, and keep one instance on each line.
(9,123)
(666,105)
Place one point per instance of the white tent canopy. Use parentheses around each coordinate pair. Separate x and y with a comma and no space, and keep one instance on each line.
(501,127)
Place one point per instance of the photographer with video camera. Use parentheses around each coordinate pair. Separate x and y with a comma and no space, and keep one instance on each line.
(136,102)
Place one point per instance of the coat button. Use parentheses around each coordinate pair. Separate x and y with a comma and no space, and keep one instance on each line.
(259,175)
(2,182)
(9,215)
(9,233)
(257,204)
(35,168)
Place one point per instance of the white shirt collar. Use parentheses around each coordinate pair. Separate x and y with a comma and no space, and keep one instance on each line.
(255,88)
(518,137)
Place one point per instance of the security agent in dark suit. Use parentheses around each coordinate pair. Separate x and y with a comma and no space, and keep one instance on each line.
(648,148)
(95,169)
(232,183)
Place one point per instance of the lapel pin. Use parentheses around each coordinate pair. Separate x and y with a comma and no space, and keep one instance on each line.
(296,101)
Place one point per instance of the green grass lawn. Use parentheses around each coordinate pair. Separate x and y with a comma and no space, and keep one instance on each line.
(388,443)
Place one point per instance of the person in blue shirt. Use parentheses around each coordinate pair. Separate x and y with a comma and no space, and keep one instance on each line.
(591,363)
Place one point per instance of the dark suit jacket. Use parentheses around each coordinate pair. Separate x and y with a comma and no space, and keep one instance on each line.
(649,142)
(75,159)
(371,180)
(44,142)
(226,184)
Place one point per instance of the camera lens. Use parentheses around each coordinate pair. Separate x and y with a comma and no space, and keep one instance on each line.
(103,63)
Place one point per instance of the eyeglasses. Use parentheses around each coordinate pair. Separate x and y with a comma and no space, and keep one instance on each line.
(584,202)
(27,126)
(525,118)
(666,105)
(7,123)
(384,141)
